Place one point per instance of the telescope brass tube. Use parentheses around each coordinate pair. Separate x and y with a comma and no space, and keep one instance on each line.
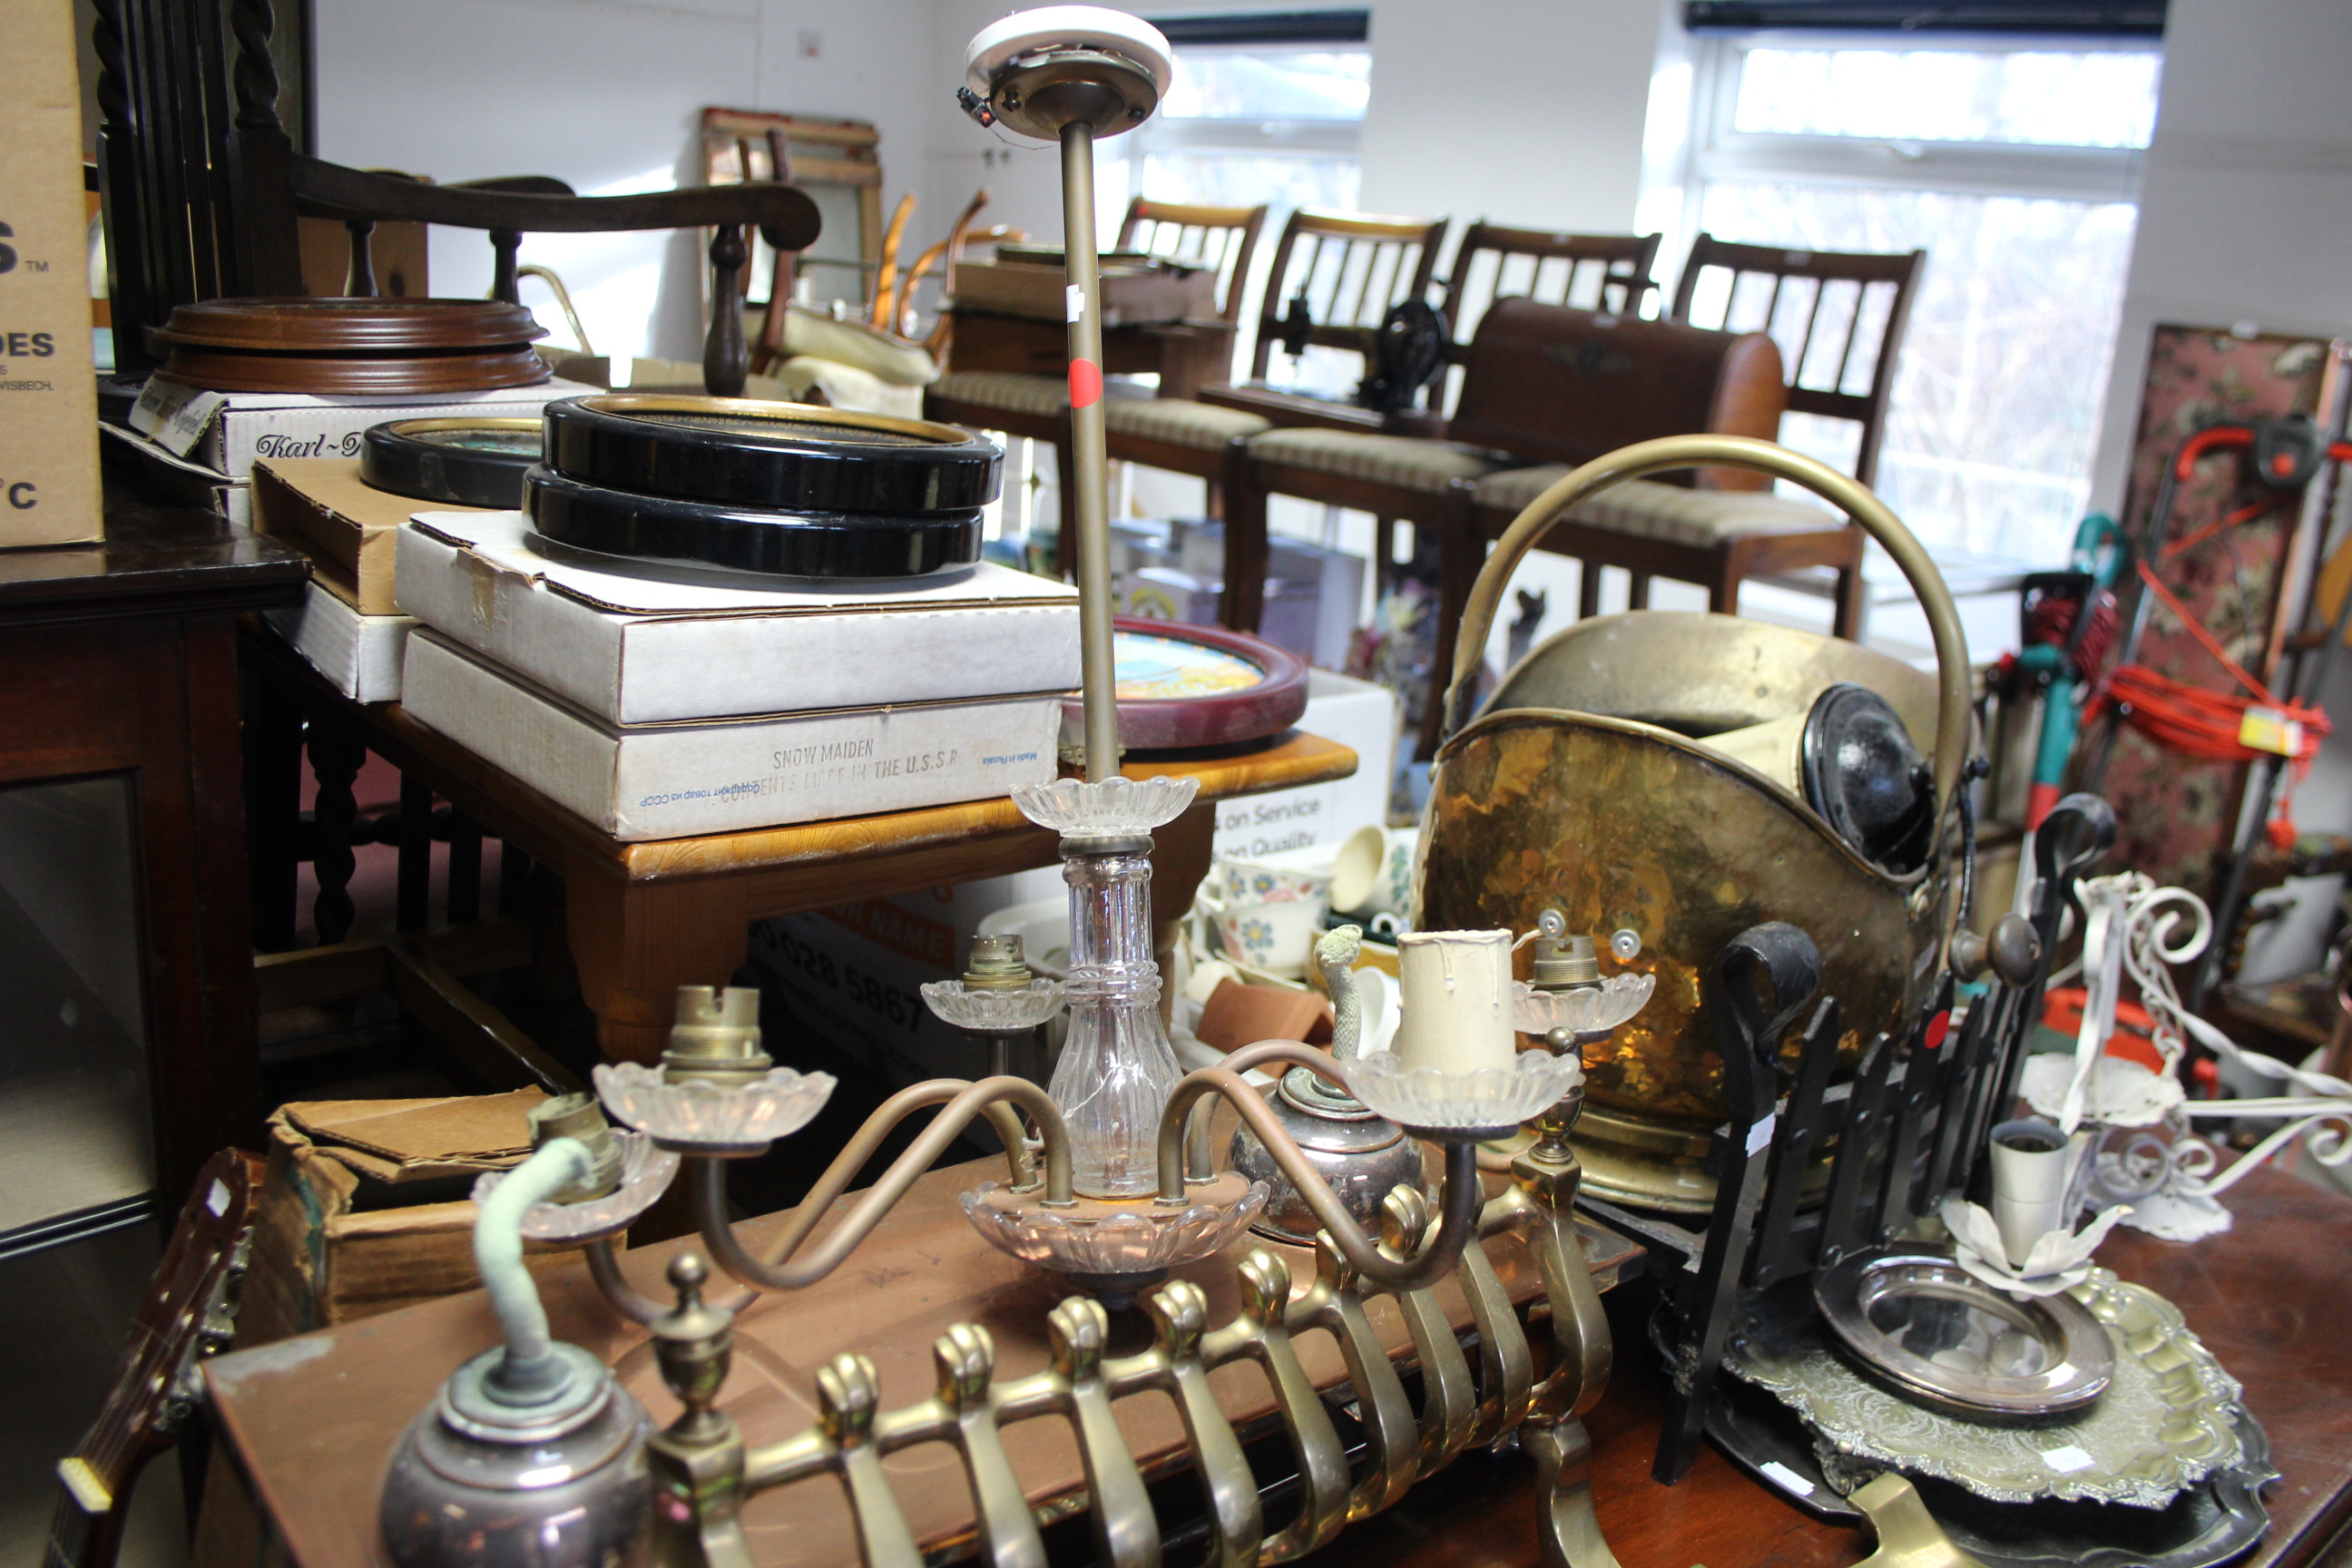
(1087,470)
(1460,1199)
(868,1138)
(710,1177)
(1849,496)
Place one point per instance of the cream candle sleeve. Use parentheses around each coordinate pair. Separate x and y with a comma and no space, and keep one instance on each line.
(1456,987)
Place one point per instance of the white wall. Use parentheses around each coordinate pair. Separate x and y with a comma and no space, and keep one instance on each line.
(2245,214)
(1524,111)
(2245,209)
(607,95)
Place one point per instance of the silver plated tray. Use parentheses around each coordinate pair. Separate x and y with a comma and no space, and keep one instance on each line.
(1911,1317)
(2166,1422)
(2216,1520)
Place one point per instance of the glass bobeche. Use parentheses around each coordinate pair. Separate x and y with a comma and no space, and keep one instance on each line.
(1108,808)
(709,1118)
(1431,1101)
(993,1012)
(1583,1011)
(1134,1241)
(647,1169)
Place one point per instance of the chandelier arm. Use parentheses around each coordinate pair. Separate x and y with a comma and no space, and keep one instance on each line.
(717,1232)
(868,1138)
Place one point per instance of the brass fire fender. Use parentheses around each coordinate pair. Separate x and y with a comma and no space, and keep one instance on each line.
(703,1472)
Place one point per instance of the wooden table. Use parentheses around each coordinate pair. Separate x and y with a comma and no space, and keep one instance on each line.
(313,1421)
(645,918)
(310,1426)
(122,658)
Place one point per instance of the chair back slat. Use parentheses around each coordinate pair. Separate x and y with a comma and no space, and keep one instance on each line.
(1222,239)
(1350,268)
(1858,341)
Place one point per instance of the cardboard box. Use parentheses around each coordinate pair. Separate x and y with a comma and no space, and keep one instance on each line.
(1356,714)
(854,972)
(226,432)
(1131,294)
(363,1207)
(323,506)
(684,779)
(1173,569)
(631,650)
(1288,619)
(48,421)
(360,656)
(398,252)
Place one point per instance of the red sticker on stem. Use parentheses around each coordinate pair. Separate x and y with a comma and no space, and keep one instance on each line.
(1086,384)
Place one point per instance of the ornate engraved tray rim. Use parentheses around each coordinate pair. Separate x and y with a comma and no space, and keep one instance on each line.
(2192,1402)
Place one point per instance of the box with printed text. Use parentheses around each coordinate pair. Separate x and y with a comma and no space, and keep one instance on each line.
(48,398)
(683,780)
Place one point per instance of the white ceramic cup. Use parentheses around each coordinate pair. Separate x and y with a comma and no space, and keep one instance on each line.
(1243,882)
(1276,937)
(2033,1167)
(1373,874)
(1377,994)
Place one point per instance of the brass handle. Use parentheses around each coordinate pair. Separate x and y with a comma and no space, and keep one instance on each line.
(1848,495)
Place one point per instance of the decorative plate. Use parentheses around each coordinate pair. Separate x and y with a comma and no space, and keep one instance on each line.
(2167,1421)
(473,460)
(622,531)
(1913,1317)
(770,457)
(1183,687)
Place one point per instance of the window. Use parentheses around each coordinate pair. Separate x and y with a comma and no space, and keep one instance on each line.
(1257,113)
(2014,164)
(1257,123)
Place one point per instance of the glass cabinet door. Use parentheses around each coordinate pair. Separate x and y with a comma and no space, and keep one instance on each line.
(76,1138)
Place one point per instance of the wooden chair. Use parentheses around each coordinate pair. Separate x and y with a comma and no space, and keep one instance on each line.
(1223,240)
(202,188)
(1596,271)
(1334,275)
(1838,319)
(1037,407)
(1540,383)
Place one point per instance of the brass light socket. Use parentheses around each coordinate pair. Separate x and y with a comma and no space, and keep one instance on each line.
(716,1038)
(577,1115)
(997,964)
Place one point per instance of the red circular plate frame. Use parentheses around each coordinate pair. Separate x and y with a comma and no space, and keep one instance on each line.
(1222,719)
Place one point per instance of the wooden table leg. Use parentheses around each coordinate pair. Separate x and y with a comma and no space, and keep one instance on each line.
(635,943)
